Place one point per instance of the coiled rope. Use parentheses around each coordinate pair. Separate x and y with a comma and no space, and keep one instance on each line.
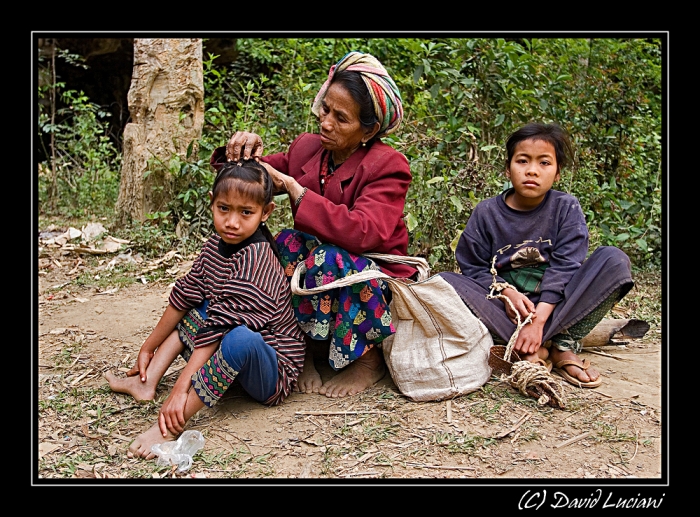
(530,379)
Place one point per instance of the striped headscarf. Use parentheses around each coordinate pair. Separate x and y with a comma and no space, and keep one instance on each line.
(382,88)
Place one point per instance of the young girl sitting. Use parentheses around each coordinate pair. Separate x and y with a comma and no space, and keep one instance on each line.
(230,317)
(536,240)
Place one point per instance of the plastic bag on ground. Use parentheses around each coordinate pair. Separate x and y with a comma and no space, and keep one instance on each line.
(179,452)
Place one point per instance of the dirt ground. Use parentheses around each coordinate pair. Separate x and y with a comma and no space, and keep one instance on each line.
(83,430)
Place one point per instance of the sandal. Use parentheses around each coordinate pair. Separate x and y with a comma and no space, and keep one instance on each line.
(546,364)
(559,368)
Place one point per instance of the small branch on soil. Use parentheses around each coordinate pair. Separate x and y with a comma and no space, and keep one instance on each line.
(636,443)
(82,376)
(363,459)
(574,439)
(515,427)
(314,422)
(356,474)
(111,434)
(619,470)
(572,414)
(443,467)
(328,413)
(598,352)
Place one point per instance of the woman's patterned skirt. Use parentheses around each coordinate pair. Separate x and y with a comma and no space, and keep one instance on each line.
(354,318)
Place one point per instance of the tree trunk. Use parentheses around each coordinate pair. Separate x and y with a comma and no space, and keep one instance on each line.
(166,105)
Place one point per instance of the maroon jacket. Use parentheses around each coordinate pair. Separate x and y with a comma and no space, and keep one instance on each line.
(362,208)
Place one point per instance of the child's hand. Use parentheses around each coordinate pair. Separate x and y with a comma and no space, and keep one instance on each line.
(172,414)
(529,339)
(520,303)
(142,362)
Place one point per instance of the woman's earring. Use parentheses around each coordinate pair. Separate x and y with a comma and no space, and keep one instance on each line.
(262,224)
(364,144)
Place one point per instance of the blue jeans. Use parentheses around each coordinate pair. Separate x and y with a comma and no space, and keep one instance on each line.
(243,354)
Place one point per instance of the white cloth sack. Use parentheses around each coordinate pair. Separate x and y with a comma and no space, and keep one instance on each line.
(440,349)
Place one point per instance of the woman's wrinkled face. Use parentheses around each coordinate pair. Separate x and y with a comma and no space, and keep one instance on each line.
(341,131)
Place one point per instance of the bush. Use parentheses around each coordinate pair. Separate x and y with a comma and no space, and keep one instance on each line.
(462,98)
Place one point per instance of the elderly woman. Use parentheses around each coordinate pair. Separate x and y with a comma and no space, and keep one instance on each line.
(347,190)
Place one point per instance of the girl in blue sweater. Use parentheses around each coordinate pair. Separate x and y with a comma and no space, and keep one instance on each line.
(529,244)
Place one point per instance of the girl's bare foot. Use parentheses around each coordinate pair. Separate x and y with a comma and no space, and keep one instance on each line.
(309,380)
(539,357)
(142,392)
(141,446)
(359,375)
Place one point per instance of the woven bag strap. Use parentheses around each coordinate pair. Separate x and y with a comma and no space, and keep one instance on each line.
(361,276)
(418,262)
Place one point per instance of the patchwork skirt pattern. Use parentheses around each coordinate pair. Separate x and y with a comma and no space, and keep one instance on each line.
(354,318)
(216,376)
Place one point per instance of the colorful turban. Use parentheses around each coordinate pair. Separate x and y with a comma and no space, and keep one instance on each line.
(385,95)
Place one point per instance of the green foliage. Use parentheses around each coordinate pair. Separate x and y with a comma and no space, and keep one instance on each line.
(81,175)
(153,240)
(188,214)
(234,101)
(462,98)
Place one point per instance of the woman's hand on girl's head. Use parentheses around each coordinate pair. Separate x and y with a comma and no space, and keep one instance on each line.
(280,181)
(243,145)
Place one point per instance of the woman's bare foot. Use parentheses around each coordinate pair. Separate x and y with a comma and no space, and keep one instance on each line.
(584,375)
(359,375)
(142,392)
(141,446)
(309,380)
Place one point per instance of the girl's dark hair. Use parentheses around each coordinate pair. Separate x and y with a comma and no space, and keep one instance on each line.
(251,180)
(551,133)
(356,87)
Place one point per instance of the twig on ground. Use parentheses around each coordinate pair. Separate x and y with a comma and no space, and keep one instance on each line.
(313,422)
(356,474)
(597,352)
(363,459)
(405,444)
(619,470)
(228,442)
(515,426)
(330,413)
(574,439)
(443,467)
(636,443)
(573,414)
(82,376)
(112,434)
(74,362)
